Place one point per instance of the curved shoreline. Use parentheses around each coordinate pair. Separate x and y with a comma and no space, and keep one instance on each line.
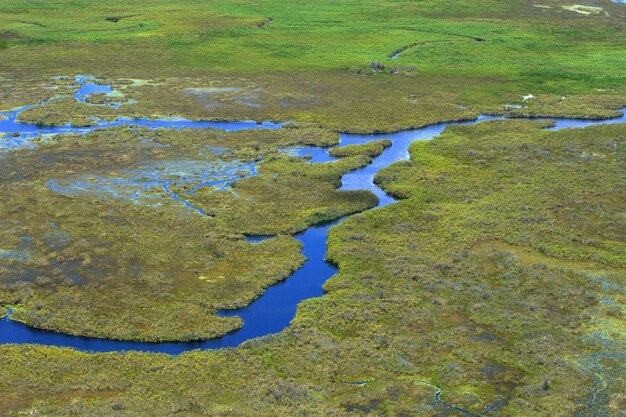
(276,307)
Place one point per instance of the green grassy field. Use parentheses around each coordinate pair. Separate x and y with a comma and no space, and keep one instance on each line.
(311,61)
(514,40)
(496,281)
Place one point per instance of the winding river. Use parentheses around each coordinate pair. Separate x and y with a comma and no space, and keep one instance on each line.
(274,310)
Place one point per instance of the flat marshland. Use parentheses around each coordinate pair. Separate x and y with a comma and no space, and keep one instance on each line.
(493,286)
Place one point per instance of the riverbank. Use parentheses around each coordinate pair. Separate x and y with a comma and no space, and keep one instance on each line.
(414,302)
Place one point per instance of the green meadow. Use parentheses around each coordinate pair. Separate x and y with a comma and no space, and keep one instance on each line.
(310,61)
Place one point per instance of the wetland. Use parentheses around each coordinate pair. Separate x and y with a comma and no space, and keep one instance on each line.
(346,208)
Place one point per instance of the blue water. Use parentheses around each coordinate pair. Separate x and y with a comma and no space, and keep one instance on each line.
(87,87)
(312,154)
(274,310)
(26,132)
(19,134)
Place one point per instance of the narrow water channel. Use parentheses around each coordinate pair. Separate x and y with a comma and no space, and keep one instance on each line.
(274,310)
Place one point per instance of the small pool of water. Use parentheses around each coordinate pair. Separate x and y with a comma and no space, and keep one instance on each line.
(87,87)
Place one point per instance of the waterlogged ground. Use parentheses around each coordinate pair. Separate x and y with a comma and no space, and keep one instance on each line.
(527,300)
(155,215)
(494,287)
(139,233)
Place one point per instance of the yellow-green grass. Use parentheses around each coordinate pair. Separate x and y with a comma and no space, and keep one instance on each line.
(496,278)
(148,268)
(371,149)
(311,62)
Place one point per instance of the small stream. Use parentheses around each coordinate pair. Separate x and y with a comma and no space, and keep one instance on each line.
(17,134)
(276,307)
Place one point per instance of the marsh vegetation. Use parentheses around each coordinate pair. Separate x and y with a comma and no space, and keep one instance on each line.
(491,280)
(139,234)
(495,286)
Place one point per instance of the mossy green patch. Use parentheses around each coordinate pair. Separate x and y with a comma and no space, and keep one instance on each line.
(371,149)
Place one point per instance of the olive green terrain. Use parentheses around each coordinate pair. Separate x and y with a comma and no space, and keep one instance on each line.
(496,285)
(499,277)
(149,268)
(373,149)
